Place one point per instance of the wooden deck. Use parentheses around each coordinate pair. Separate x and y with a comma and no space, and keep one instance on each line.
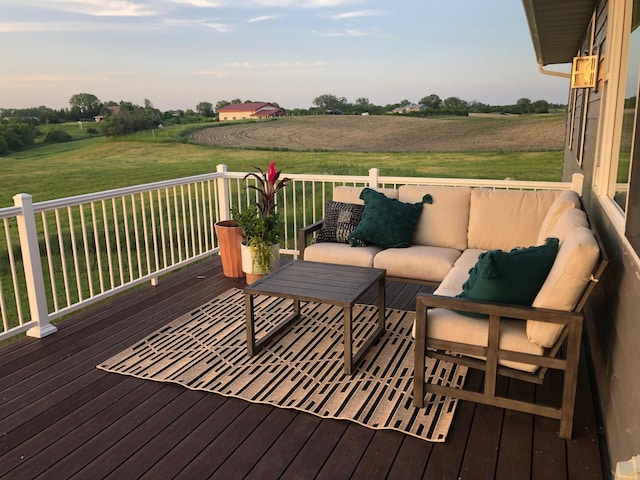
(62,418)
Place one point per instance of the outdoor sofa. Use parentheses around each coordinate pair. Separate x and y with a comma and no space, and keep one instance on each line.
(513,269)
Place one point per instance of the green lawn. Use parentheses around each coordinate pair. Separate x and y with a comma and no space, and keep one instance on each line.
(95,164)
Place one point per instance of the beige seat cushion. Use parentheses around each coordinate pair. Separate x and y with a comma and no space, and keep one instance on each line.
(577,257)
(341,253)
(346,194)
(455,279)
(418,262)
(567,200)
(448,325)
(469,257)
(506,219)
(444,222)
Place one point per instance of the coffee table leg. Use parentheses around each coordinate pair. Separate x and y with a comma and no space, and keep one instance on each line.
(250,314)
(381,305)
(348,354)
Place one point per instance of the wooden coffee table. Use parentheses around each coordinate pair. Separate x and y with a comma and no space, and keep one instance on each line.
(340,285)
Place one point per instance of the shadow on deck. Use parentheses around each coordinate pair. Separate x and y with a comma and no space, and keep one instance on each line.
(63,418)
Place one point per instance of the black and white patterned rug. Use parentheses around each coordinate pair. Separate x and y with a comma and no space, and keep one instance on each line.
(302,368)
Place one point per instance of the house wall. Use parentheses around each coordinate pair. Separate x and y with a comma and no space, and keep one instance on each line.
(613,315)
(227,116)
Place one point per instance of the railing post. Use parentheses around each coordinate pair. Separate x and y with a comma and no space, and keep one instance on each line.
(374,175)
(577,183)
(224,212)
(32,267)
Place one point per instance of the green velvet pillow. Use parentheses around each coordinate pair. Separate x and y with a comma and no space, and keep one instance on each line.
(510,277)
(387,222)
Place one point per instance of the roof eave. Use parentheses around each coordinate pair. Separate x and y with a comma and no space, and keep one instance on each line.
(558,28)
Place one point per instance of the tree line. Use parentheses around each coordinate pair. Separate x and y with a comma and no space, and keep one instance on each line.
(18,127)
(427,106)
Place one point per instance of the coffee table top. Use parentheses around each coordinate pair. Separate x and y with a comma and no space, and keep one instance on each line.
(318,282)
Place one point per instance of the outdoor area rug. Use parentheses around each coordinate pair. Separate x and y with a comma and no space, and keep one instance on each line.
(302,368)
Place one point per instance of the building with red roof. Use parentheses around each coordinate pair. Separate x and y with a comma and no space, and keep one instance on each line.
(240,111)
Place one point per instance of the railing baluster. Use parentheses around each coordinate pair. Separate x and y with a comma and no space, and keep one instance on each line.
(154,233)
(52,270)
(96,235)
(136,231)
(145,234)
(85,243)
(116,228)
(74,254)
(14,273)
(107,242)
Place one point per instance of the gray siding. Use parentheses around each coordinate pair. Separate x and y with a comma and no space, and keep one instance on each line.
(613,317)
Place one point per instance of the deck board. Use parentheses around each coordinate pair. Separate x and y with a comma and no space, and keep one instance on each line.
(63,418)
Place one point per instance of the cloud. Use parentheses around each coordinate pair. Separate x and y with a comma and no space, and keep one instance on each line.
(358,13)
(344,33)
(29,80)
(275,65)
(304,3)
(219,27)
(200,3)
(213,73)
(263,18)
(103,8)
(15,27)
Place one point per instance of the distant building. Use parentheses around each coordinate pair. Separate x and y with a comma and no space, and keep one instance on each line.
(240,111)
(412,107)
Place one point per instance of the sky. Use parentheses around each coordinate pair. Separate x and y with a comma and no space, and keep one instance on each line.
(178,53)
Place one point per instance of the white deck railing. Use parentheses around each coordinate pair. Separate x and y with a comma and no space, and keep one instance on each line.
(62,255)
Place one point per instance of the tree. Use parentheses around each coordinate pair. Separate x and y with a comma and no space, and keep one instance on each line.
(431,102)
(523,105)
(363,101)
(330,102)
(16,135)
(454,102)
(205,109)
(540,106)
(221,104)
(85,104)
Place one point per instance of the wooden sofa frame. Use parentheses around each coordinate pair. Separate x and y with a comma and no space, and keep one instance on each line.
(566,359)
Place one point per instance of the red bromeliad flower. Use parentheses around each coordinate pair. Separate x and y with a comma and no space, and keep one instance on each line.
(273,174)
(267,187)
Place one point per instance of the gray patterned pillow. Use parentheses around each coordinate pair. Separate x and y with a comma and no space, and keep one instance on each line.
(339,221)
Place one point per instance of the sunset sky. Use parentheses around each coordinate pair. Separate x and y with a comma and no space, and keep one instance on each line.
(178,53)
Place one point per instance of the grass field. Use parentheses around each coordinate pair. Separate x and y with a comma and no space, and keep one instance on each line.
(95,164)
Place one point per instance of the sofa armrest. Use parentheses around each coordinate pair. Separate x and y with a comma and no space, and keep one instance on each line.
(501,310)
(492,354)
(303,235)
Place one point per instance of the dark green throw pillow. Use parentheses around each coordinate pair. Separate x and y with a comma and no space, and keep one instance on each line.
(510,277)
(387,222)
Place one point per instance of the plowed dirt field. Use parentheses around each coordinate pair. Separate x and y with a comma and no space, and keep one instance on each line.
(393,133)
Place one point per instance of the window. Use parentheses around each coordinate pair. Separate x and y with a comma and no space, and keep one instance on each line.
(621,193)
(624,183)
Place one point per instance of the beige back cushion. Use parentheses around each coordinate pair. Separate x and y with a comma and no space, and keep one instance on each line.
(567,200)
(444,222)
(506,219)
(571,271)
(352,194)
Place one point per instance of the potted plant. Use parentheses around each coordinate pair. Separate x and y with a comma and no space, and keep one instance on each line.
(261,224)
